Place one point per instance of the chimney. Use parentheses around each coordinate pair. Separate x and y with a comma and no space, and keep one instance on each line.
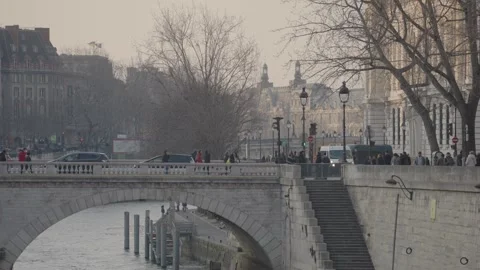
(44,33)
(13,31)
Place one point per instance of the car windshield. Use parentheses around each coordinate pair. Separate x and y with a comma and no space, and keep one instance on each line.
(338,154)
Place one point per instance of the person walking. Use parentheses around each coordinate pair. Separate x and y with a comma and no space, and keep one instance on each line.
(165,159)
(199,159)
(28,159)
(3,155)
(388,158)
(163,210)
(471,159)
(207,156)
(441,160)
(449,160)
(22,154)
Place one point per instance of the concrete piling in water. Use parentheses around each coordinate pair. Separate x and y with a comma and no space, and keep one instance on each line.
(163,245)
(176,250)
(126,228)
(152,252)
(147,231)
(158,226)
(136,234)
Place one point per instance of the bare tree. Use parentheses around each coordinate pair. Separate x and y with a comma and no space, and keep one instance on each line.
(419,43)
(208,95)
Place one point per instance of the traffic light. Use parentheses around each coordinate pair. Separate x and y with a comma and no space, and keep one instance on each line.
(450,129)
(304,144)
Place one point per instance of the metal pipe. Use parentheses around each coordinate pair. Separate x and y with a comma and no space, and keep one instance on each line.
(158,227)
(147,231)
(344,136)
(126,228)
(163,245)
(395,234)
(303,133)
(152,251)
(136,234)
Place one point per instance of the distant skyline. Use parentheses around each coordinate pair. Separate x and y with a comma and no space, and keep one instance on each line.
(121,25)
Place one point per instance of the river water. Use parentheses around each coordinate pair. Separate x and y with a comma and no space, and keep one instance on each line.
(91,239)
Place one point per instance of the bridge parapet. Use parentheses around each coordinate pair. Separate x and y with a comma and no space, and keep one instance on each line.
(129,168)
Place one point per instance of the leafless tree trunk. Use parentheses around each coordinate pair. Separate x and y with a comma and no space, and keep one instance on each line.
(210,66)
(430,38)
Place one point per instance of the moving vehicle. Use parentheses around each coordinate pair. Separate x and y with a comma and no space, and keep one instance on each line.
(173,158)
(82,157)
(335,153)
(361,152)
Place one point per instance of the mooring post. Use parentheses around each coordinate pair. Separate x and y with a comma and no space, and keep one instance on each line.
(147,232)
(163,245)
(136,234)
(158,244)
(152,251)
(176,249)
(126,228)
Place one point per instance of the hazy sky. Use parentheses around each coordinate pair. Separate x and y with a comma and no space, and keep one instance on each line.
(121,24)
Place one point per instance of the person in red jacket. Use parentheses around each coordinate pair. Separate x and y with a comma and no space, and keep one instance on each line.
(21,157)
(198,159)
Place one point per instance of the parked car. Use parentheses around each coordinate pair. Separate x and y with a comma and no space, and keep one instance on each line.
(82,157)
(173,158)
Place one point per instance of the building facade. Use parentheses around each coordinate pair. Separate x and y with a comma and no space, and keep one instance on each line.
(323,108)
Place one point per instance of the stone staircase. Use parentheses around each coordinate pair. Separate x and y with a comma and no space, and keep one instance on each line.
(339,225)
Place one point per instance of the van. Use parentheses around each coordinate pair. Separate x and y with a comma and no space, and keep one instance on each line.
(335,153)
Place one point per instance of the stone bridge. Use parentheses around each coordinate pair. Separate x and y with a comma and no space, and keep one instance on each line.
(248,196)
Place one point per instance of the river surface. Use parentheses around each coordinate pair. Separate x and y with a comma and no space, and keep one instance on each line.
(91,239)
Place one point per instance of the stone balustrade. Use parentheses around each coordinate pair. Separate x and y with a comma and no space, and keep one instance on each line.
(73,169)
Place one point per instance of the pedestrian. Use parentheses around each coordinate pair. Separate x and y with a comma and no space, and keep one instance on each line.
(388,158)
(395,160)
(165,159)
(319,157)
(471,159)
(163,210)
(3,155)
(184,207)
(420,160)
(460,159)
(207,156)
(22,154)
(226,157)
(441,160)
(198,159)
(28,159)
(301,158)
(449,160)
(232,158)
(380,160)
(325,159)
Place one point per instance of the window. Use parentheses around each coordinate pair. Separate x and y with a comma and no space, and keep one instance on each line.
(43,78)
(15,77)
(16,92)
(447,121)
(440,122)
(434,119)
(35,49)
(42,93)
(13,47)
(22,36)
(398,126)
(16,110)
(69,91)
(393,126)
(29,92)
(29,78)
(42,109)
(24,48)
(29,109)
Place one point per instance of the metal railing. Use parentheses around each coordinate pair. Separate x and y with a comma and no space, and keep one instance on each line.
(321,170)
(130,168)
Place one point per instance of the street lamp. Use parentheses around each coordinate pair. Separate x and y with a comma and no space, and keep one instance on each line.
(344,94)
(323,137)
(303,100)
(360,132)
(335,137)
(404,128)
(273,140)
(405,190)
(247,138)
(289,126)
(384,135)
(260,137)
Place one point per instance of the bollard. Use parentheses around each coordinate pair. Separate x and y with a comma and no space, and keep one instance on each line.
(147,231)
(176,249)
(158,226)
(136,234)
(163,245)
(126,228)
(152,251)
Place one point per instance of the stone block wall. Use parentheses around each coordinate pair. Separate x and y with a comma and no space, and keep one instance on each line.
(437,230)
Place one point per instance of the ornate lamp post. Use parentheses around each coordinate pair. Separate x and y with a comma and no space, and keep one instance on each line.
(289,126)
(360,132)
(409,195)
(303,101)
(273,140)
(277,127)
(404,128)
(247,144)
(344,94)
(260,137)
(384,135)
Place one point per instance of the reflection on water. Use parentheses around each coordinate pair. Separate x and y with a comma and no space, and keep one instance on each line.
(90,239)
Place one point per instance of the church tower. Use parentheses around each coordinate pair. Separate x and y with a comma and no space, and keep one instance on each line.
(264,83)
(297,79)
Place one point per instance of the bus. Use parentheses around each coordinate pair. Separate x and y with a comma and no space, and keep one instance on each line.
(361,152)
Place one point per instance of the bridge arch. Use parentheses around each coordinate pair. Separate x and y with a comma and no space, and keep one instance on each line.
(265,244)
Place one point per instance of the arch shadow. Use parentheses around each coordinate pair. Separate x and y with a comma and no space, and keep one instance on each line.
(265,244)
